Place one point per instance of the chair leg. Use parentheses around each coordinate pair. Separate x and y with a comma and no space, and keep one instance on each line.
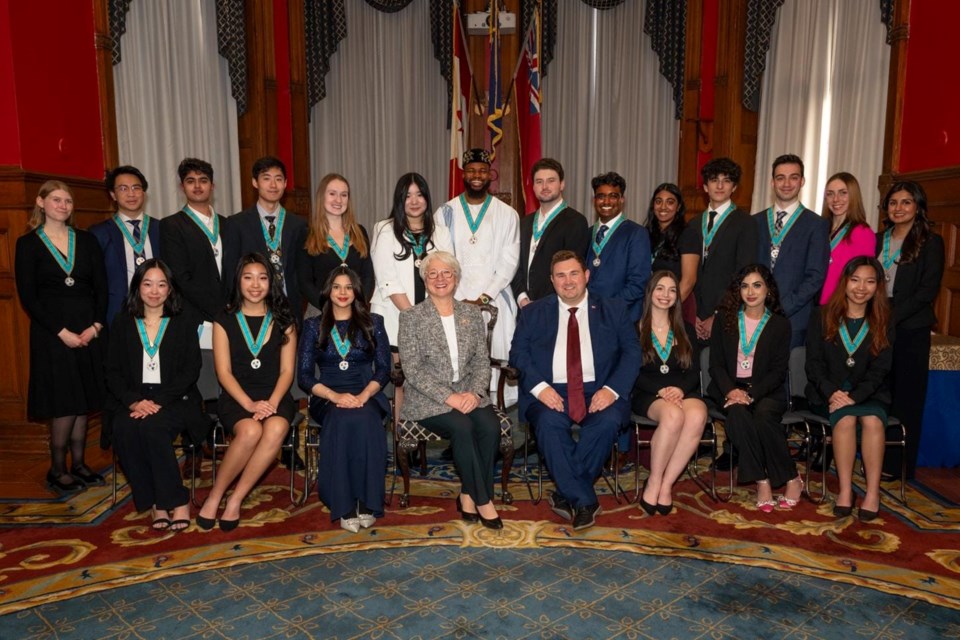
(508,451)
(405,448)
(903,464)
(422,450)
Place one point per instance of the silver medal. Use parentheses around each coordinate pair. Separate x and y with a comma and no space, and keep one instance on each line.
(596,262)
(140,260)
(152,365)
(851,362)
(664,369)
(745,364)
(255,363)
(344,365)
(706,254)
(69,281)
(216,252)
(774,253)
(275,258)
(417,263)
(473,239)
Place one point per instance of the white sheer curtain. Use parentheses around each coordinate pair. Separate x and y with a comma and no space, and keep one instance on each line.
(606,107)
(824,97)
(385,110)
(173,100)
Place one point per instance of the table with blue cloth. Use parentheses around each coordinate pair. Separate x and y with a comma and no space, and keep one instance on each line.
(940,442)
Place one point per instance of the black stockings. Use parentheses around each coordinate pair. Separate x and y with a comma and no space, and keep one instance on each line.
(64,431)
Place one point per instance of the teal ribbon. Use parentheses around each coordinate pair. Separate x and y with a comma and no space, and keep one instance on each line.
(538,233)
(213,236)
(65,263)
(598,248)
(136,246)
(776,239)
(888,259)
(475,224)
(273,243)
(341,251)
(851,345)
(748,346)
(342,345)
(151,349)
(709,235)
(419,243)
(841,234)
(254,345)
(663,351)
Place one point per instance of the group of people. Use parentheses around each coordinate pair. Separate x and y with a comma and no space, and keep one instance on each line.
(600,321)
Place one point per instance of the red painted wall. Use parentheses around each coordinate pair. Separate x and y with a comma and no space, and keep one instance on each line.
(55,75)
(930,136)
(9,131)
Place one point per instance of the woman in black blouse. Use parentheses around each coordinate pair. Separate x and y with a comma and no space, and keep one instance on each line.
(749,358)
(152,371)
(912,256)
(666,221)
(848,358)
(667,391)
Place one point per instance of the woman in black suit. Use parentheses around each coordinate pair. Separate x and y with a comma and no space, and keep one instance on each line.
(848,358)
(152,368)
(749,358)
(912,256)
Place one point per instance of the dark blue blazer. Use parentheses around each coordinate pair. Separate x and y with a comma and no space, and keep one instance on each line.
(801,266)
(624,267)
(616,348)
(115,259)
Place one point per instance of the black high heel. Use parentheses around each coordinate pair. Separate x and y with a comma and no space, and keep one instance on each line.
(229,525)
(650,509)
(664,509)
(843,512)
(54,482)
(867,516)
(491,523)
(205,523)
(469,516)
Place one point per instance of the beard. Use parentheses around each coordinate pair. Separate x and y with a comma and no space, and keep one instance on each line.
(476,194)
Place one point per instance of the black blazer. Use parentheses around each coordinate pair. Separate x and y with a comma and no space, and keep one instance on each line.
(827,368)
(770,362)
(188,253)
(569,230)
(179,370)
(313,271)
(245,235)
(734,247)
(917,285)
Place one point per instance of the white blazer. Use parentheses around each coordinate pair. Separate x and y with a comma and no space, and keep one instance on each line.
(396,276)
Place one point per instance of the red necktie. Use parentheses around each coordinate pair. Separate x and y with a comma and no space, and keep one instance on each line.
(576,403)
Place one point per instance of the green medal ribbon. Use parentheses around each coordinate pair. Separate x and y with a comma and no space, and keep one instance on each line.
(748,346)
(273,243)
(849,345)
(663,351)
(598,248)
(887,259)
(136,246)
(254,345)
(776,239)
(212,236)
(538,233)
(709,235)
(342,344)
(419,243)
(475,224)
(65,263)
(840,235)
(151,349)
(341,251)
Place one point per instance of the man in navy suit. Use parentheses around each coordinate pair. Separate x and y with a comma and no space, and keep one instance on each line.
(127,238)
(794,242)
(268,228)
(578,356)
(619,254)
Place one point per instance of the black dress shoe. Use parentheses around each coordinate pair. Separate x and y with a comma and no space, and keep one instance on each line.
(88,476)
(54,482)
(560,506)
(467,516)
(585,517)
(725,462)
(292,460)
(491,523)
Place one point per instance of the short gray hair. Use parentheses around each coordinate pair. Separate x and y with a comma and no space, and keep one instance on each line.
(446,258)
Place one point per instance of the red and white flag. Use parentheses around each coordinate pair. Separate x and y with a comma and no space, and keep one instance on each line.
(461,81)
(528,108)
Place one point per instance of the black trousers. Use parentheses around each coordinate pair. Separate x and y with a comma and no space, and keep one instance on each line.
(474,438)
(759,438)
(908,384)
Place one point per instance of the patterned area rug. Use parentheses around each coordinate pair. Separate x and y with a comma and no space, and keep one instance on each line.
(56,550)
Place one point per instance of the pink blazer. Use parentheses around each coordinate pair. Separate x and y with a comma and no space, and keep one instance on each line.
(861,241)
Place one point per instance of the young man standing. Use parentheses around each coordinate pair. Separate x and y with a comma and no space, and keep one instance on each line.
(129,237)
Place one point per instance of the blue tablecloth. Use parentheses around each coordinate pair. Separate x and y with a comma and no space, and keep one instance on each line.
(940,442)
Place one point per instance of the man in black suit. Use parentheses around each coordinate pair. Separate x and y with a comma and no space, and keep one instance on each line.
(268,228)
(553,227)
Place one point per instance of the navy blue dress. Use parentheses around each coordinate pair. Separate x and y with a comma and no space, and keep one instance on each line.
(353,443)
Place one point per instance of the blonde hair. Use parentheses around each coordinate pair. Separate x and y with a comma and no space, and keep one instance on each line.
(38,217)
(319,229)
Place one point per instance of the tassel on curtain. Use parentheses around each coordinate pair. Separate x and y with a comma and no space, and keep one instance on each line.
(326,26)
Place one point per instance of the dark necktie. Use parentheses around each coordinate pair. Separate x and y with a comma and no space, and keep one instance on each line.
(713,218)
(576,403)
(602,231)
(778,225)
(271,228)
(136,237)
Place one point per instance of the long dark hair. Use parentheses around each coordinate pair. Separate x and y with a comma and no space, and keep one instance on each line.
(681,343)
(276,301)
(134,303)
(731,302)
(399,216)
(878,308)
(669,237)
(920,230)
(360,321)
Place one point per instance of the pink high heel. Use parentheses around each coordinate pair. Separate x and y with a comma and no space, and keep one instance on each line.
(786,504)
(766,506)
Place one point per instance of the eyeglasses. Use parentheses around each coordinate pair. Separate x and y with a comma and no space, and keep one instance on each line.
(129,189)
(607,196)
(446,274)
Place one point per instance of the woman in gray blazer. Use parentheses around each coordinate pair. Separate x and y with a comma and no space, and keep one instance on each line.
(446,364)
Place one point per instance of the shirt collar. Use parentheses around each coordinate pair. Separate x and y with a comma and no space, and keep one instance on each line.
(612,221)
(791,209)
(581,306)
(264,213)
(546,214)
(720,209)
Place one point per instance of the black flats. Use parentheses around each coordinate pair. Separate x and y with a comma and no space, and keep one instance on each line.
(88,476)
(54,482)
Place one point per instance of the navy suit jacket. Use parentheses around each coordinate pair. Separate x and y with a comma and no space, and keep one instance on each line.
(624,266)
(115,259)
(616,348)
(801,266)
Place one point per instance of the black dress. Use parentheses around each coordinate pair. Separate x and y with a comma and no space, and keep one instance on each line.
(256,383)
(353,444)
(313,271)
(651,380)
(63,381)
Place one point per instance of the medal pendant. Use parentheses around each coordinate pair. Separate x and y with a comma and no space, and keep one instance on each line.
(664,369)
(69,281)
(216,252)
(417,263)
(140,260)
(596,262)
(706,254)
(343,264)
(255,363)
(886,277)
(344,365)
(851,362)
(152,365)
(275,258)
(473,239)
(745,365)
(774,253)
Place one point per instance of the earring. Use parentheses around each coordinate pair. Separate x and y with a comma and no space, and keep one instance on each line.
(42,211)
